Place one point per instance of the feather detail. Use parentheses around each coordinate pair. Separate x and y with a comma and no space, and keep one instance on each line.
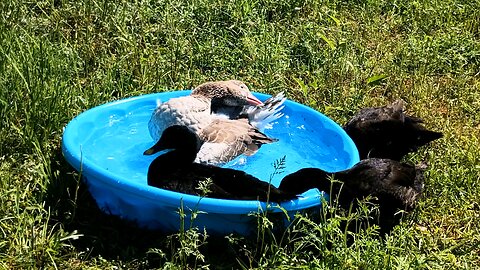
(388,132)
(263,116)
(227,139)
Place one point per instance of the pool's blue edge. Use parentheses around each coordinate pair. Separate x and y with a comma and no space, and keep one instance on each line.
(73,155)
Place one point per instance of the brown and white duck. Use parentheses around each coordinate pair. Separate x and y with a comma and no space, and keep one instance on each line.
(225,115)
(199,108)
(176,171)
(225,139)
(387,132)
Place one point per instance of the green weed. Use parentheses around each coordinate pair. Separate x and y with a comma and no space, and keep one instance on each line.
(61,57)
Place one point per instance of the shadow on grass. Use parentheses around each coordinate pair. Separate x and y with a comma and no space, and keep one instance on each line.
(111,237)
(104,235)
(114,239)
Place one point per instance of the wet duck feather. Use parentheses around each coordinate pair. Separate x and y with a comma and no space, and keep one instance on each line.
(226,139)
(262,116)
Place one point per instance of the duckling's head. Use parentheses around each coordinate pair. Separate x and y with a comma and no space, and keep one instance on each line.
(176,137)
(227,93)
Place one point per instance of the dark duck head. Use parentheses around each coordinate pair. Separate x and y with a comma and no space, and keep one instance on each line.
(387,132)
(395,186)
(176,171)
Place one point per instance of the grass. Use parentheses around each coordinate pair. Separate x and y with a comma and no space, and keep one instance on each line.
(59,58)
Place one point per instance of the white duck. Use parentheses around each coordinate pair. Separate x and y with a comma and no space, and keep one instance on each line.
(225,115)
(198,110)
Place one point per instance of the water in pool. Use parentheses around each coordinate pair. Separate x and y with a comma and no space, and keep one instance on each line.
(120,137)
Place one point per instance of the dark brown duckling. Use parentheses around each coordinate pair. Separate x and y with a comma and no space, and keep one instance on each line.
(396,186)
(387,132)
(176,171)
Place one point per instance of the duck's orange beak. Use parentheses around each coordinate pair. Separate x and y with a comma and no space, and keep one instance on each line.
(253,100)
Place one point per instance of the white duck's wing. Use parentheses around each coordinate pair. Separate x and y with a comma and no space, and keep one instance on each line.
(262,116)
(193,112)
(226,139)
(259,116)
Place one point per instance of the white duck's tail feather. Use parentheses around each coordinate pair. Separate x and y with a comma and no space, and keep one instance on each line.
(262,117)
(159,102)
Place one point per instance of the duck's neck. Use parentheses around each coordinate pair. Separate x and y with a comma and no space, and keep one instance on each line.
(322,181)
(305,179)
(168,163)
(232,112)
(181,156)
(330,184)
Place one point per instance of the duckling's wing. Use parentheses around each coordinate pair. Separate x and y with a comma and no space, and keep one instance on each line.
(377,171)
(394,184)
(190,111)
(226,139)
(362,177)
(406,183)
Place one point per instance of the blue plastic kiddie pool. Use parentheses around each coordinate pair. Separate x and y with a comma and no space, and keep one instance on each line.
(106,145)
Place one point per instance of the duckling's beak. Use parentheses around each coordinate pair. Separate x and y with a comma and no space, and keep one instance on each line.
(253,100)
(154,149)
(149,151)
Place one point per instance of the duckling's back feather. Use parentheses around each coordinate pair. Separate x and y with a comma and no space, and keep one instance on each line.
(387,132)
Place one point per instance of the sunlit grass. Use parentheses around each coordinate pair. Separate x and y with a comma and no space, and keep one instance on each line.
(59,58)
